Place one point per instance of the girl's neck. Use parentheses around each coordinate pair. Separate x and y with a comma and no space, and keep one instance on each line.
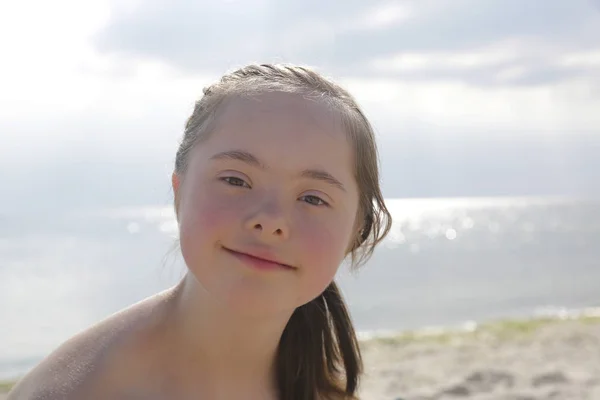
(225,350)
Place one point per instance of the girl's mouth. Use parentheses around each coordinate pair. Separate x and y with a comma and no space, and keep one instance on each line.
(260,262)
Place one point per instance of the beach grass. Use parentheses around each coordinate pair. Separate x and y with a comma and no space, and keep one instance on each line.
(498,330)
(5,386)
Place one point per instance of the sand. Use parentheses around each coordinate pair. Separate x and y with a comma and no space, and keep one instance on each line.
(529,360)
(534,360)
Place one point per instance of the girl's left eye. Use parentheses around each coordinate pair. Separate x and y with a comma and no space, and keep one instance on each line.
(234,181)
(314,200)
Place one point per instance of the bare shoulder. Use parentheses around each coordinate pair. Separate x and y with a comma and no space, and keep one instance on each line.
(76,367)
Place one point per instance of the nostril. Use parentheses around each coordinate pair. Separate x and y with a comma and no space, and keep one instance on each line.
(261,228)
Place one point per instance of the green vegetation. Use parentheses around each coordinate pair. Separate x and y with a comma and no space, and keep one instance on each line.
(5,386)
(499,330)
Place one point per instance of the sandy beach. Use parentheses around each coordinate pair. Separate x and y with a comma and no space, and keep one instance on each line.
(542,359)
(529,360)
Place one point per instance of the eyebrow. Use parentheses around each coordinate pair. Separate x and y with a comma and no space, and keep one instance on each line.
(322,176)
(251,159)
(239,155)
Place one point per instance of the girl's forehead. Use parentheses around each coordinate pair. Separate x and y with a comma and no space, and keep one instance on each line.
(278,127)
(271,105)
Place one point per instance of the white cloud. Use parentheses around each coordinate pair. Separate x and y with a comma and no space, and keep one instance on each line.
(58,92)
(513,56)
(97,110)
(495,54)
(443,60)
(49,27)
(386,15)
(511,73)
(564,107)
(43,44)
(581,59)
(318,34)
(133,228)
(116,114)
(102,91)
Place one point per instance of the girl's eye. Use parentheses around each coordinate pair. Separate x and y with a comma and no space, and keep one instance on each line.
(233,181)
(314,200)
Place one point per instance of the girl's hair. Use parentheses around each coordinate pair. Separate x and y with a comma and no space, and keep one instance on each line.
(318,354)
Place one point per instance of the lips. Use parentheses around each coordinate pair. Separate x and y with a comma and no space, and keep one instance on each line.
(259,260)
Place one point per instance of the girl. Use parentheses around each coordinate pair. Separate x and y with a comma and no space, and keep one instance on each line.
(276,182)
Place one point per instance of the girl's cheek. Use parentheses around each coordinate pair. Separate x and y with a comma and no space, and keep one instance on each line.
(214,214)
(322,254)
(323,245)
(207,213)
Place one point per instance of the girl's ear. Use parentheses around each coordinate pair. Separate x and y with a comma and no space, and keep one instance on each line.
(176,183)
(356,234)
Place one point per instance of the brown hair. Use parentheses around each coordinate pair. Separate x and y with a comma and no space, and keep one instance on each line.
(318,354)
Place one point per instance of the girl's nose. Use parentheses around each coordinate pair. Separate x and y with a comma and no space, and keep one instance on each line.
(269,222)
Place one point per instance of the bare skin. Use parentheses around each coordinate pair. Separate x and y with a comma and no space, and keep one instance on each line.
(288,194)
(78,367)
(131,355)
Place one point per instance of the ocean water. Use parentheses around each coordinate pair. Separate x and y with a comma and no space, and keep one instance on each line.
(446,261)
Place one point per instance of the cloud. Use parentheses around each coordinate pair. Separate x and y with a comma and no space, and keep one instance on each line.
(436,139)
(505,41)
(93,107)
(507,62)
(447,107)
(92,113)
(429,64)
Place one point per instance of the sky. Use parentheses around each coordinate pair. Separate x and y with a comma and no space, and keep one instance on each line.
(468,97)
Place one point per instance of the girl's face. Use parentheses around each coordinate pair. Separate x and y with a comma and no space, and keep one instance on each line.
(273,181)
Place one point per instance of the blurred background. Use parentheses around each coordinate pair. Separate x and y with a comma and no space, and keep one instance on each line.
(488,121)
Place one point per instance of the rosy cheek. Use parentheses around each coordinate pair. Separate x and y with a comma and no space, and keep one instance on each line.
(324,248)
(212,215)
(205,215)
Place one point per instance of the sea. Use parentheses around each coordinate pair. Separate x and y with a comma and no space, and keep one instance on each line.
(446,262)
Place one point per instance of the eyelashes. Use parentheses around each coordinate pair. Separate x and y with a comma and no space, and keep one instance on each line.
(314,200)
(309,199)
(235,181)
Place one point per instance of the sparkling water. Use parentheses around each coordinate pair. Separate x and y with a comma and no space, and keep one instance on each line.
(445,262)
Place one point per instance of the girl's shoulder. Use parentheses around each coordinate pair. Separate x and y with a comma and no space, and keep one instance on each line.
(89,361)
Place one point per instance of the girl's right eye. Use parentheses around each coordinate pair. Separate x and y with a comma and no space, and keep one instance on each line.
(234,181)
